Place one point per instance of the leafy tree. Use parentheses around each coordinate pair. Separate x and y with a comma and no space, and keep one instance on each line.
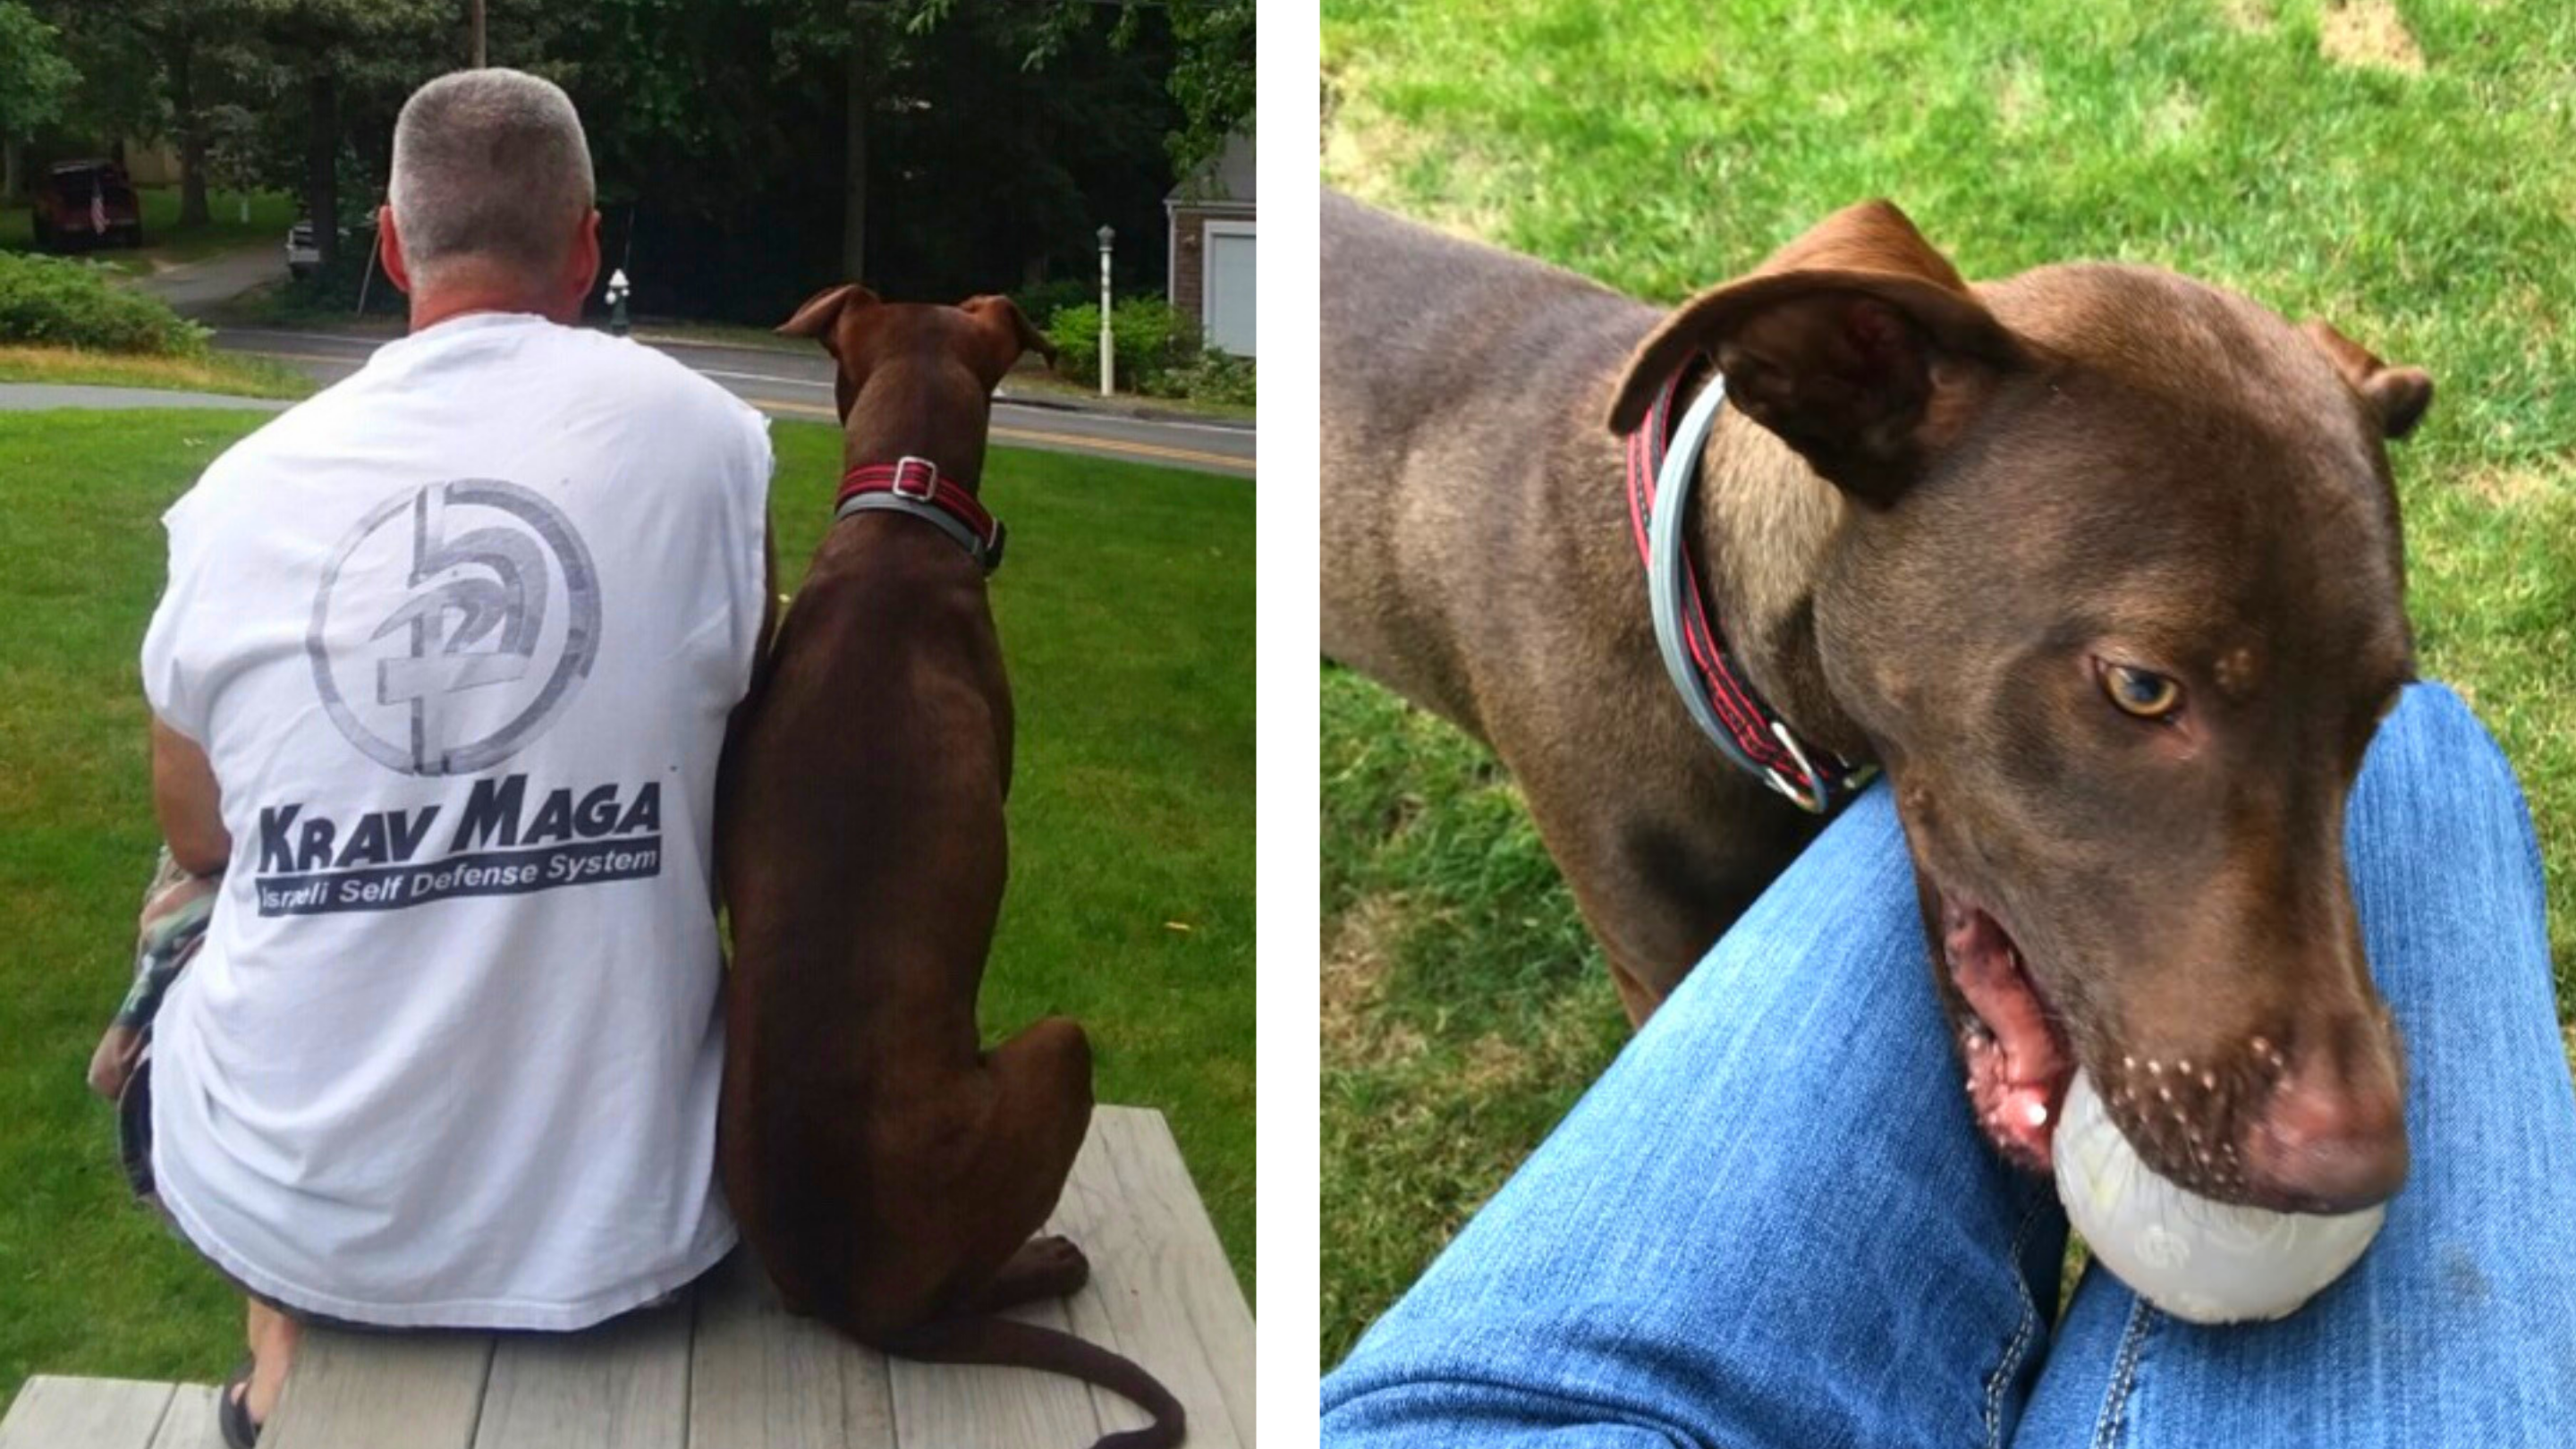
(1211,70)
(1212,75)
(340,69)
(180,38)
(34,77)
(748,151)
(114,92)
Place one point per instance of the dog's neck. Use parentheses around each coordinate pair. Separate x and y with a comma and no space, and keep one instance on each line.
(897,415)
(1765,524)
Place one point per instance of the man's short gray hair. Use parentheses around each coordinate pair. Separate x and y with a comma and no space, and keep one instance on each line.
(493,164)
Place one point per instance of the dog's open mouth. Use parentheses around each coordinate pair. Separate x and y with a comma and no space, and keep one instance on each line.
(2018,1059)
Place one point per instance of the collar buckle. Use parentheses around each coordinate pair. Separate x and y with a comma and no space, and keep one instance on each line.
(923,468)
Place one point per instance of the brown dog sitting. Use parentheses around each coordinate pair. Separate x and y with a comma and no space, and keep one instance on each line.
(2099,562)
(889,1174)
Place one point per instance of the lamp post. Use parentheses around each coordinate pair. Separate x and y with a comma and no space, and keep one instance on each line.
(1108,339)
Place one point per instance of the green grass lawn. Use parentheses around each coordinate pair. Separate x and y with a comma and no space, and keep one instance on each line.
(2408,173)
(1126,614)
(165,241)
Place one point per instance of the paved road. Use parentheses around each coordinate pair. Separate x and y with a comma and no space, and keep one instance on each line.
(192,287)
(785,384)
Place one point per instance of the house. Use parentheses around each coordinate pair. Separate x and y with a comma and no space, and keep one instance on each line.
(1212,247)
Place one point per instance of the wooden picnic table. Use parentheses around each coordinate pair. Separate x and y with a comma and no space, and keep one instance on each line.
(727,1368)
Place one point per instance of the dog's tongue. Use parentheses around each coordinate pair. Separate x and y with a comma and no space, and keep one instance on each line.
(2017,1072)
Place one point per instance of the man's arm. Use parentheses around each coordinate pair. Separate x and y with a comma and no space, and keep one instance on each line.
(186,798)
(728,763)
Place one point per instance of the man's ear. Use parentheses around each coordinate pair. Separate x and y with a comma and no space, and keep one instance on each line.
(2396,396)
(1011,332)
(389,251)
(582,267)
(1858,344)
(820,316)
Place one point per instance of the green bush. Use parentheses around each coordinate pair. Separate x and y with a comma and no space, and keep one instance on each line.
(1152,339)
(1075,331)
(57,302)
(1212,376)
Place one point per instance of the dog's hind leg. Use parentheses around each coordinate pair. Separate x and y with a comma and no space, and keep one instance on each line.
(1045,1267)
(1045,1110)
(1038,1127)
(1040,1084)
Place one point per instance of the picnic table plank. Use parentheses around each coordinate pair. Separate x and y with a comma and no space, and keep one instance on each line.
(190,1423)
(624,1385)
(762,1378)
(68,1413)
(1173,1273)
(383,1390)
(734,1370)
(1135,1302)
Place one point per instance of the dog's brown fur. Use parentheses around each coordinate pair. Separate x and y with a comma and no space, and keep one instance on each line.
(888,1173)
(1929,516)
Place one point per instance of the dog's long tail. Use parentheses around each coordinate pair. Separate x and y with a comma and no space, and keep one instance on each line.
(1009,1343)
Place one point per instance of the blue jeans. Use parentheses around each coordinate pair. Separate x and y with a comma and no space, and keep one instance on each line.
(1772,1225)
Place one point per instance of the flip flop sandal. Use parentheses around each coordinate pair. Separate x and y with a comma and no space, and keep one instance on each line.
(232,1409)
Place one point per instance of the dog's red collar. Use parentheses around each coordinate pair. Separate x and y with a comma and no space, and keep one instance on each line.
(916,486)
(1721,700)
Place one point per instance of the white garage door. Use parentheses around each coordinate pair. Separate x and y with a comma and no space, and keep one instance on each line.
(1229,286)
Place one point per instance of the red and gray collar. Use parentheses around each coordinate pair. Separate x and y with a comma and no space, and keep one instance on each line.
(917,487)
(1663,466)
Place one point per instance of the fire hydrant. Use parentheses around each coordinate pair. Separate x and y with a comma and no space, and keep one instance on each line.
(617,290)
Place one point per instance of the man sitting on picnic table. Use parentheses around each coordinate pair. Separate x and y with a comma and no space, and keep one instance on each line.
(439,685)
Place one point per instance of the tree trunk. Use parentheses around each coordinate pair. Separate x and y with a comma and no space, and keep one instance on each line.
(192,132)
(854,167)
(322,160)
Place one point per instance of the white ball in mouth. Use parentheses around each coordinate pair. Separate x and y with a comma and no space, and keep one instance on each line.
(2208,1262)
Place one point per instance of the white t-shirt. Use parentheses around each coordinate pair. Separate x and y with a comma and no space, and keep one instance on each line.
(459,636)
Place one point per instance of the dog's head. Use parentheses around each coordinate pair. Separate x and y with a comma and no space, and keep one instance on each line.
(2117,598)
(915,377)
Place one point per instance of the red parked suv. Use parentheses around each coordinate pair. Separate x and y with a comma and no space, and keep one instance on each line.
(84,203)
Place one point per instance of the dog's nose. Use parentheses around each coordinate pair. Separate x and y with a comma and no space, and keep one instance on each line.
(2331,1138)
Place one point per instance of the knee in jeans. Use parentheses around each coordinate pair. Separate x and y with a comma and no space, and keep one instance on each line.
(2431,718)
(2451,764)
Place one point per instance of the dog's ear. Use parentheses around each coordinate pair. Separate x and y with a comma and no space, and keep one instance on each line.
(1858,344)
(2397,396)
(820,316)
(1010,331)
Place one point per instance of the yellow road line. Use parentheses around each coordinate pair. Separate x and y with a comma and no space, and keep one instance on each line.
(793,407)
(1144,450)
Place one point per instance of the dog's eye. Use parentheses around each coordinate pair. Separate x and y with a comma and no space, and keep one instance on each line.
(2141,692)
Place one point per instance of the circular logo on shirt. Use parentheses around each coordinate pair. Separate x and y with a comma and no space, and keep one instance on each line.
(454,625)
